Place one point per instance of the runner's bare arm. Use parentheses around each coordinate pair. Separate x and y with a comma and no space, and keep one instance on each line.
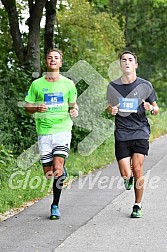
(33,108)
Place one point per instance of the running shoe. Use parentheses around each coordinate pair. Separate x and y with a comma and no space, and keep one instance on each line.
(55,213)
(137,212)
(128,183)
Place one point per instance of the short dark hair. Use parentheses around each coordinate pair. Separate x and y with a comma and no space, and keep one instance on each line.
(128,52)
(54,50)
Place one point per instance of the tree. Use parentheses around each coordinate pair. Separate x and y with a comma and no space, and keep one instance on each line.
(28,50)
(84,33)
(146,34)
(100,5)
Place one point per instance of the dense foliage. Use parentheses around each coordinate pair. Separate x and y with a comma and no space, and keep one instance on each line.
(146,34)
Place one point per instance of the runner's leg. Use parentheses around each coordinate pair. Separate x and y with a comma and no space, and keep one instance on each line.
(58,167)
(125,167)
(137,162)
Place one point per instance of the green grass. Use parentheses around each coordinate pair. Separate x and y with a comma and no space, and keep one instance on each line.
(158,125)
(19,186)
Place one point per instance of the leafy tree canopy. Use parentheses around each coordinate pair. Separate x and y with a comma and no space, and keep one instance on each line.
(146,34)
(84,33)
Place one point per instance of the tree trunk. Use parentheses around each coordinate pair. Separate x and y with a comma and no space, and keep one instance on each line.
(33,46)
(49,26)
(29,55)
(10,6)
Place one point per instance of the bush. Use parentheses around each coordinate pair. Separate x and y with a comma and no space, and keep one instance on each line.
(7,165)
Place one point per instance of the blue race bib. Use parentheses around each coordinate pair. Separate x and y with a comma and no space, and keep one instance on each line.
(128,104)
(54,99)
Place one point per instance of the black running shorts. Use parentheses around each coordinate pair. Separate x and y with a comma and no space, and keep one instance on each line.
(125,149)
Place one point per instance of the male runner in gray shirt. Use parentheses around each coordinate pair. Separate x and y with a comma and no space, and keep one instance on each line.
(128,98)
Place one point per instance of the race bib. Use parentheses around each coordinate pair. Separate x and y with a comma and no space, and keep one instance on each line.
(54,99)
(128,104)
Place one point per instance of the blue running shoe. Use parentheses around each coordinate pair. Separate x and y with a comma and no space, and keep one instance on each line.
(55,213)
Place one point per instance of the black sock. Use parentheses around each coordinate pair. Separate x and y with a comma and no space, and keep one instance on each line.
(57,188)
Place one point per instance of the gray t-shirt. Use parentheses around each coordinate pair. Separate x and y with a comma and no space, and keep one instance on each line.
(131,121)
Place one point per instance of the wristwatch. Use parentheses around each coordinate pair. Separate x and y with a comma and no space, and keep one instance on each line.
(152,110)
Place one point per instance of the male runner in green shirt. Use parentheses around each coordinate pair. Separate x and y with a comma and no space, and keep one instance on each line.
(52,99)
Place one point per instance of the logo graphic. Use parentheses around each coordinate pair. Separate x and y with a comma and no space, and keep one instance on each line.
(92,103)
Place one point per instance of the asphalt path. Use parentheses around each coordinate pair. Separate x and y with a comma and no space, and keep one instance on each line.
(96,214)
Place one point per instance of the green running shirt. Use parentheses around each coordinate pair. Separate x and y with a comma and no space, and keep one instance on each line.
(57,96)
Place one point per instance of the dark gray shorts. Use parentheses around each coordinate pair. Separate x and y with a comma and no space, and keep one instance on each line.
(125,149)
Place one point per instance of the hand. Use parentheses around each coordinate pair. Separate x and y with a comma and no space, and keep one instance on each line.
(147,105)
(73,112)
(113,110)
(41,108)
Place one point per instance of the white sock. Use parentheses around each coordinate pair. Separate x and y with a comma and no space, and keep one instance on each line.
(138,204)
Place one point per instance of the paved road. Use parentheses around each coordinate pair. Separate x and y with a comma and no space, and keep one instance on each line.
(96,215)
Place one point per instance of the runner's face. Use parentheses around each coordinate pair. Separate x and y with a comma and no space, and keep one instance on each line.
(53,61)
(128,64)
